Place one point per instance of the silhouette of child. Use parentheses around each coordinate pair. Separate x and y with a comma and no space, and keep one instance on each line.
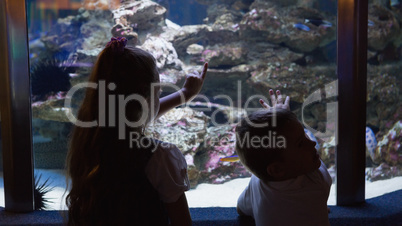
(115,181)
(290,184)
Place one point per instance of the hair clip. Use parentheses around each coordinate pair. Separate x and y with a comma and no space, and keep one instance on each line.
(117,44)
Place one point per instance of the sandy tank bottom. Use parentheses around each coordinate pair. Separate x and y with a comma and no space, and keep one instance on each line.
(205,195)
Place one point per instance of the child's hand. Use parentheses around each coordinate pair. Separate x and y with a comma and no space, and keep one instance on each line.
(276,102)
(193,84)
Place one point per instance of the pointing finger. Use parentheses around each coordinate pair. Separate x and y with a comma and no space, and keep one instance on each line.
(273,98)
(263,104)
(279,96)
(204,71)
(287,102)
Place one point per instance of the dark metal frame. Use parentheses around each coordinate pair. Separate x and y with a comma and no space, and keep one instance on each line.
(15,104)
(352,86)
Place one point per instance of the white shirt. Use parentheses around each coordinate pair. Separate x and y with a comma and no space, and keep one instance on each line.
(298,201)
(167,172)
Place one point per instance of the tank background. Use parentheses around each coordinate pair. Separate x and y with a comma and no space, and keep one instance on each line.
(383,73)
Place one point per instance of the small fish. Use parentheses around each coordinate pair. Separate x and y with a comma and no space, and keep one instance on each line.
(233,158)
(370,23)
(318,22)
(301,26)
(371,142)
(312,137)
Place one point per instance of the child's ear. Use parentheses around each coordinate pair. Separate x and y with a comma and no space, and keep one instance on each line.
(275,170)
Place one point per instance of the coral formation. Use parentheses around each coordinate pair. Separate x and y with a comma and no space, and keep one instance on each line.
(252,46)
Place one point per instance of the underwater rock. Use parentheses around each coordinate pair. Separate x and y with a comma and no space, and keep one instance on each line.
(224,23)
(169,31)
(95,34)
(232,83)
(241,5)
(385,29)
(276,2)
(371,143)
(389,148)
(263,25)
(173,76)
(187,35)
(194,51)
(64,31)
(259,49)
(219,142)
(85,34)
(186,129)
(225,55)
(164,53)
(219,114)
(223,34)
(119,30)
(183,127)
(222,14)
(87,31)
(263,53)
(292,78)
(211,2)
(52,109)
(383,96)
(56,43)
(382,172)
(276,25)
(201,146)
(141,15)
(327,152)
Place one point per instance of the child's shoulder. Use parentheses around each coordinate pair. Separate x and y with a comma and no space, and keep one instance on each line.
(167,155)
(320,175)
(166,150)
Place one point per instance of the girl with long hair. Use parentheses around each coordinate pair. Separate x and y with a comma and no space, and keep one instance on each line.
(118,176)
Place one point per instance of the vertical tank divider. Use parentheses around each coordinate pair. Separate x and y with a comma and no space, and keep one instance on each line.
(352,84)
(15,106)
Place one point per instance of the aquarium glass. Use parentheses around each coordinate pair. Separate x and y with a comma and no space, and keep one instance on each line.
(251,47)
(384,100)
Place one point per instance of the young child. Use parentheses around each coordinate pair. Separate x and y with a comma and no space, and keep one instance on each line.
(116,182)
(290,184)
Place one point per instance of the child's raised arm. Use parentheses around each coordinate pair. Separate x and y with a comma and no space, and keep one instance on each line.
(192,86)
(277,102)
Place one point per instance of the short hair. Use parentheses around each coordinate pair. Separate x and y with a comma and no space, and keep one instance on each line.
(259,124)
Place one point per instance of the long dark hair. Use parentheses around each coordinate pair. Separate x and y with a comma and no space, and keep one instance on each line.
(98,162)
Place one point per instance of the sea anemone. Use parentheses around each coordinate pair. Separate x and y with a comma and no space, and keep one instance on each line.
(49,76)
(41,203)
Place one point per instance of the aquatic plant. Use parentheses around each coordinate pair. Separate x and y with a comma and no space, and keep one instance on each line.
(40,191)
(49,76)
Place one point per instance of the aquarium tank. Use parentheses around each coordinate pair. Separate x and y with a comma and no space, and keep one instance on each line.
(251,46)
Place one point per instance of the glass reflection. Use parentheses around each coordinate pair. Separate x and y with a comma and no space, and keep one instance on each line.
(251,46)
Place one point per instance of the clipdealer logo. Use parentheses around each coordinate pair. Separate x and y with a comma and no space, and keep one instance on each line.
(117,105)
